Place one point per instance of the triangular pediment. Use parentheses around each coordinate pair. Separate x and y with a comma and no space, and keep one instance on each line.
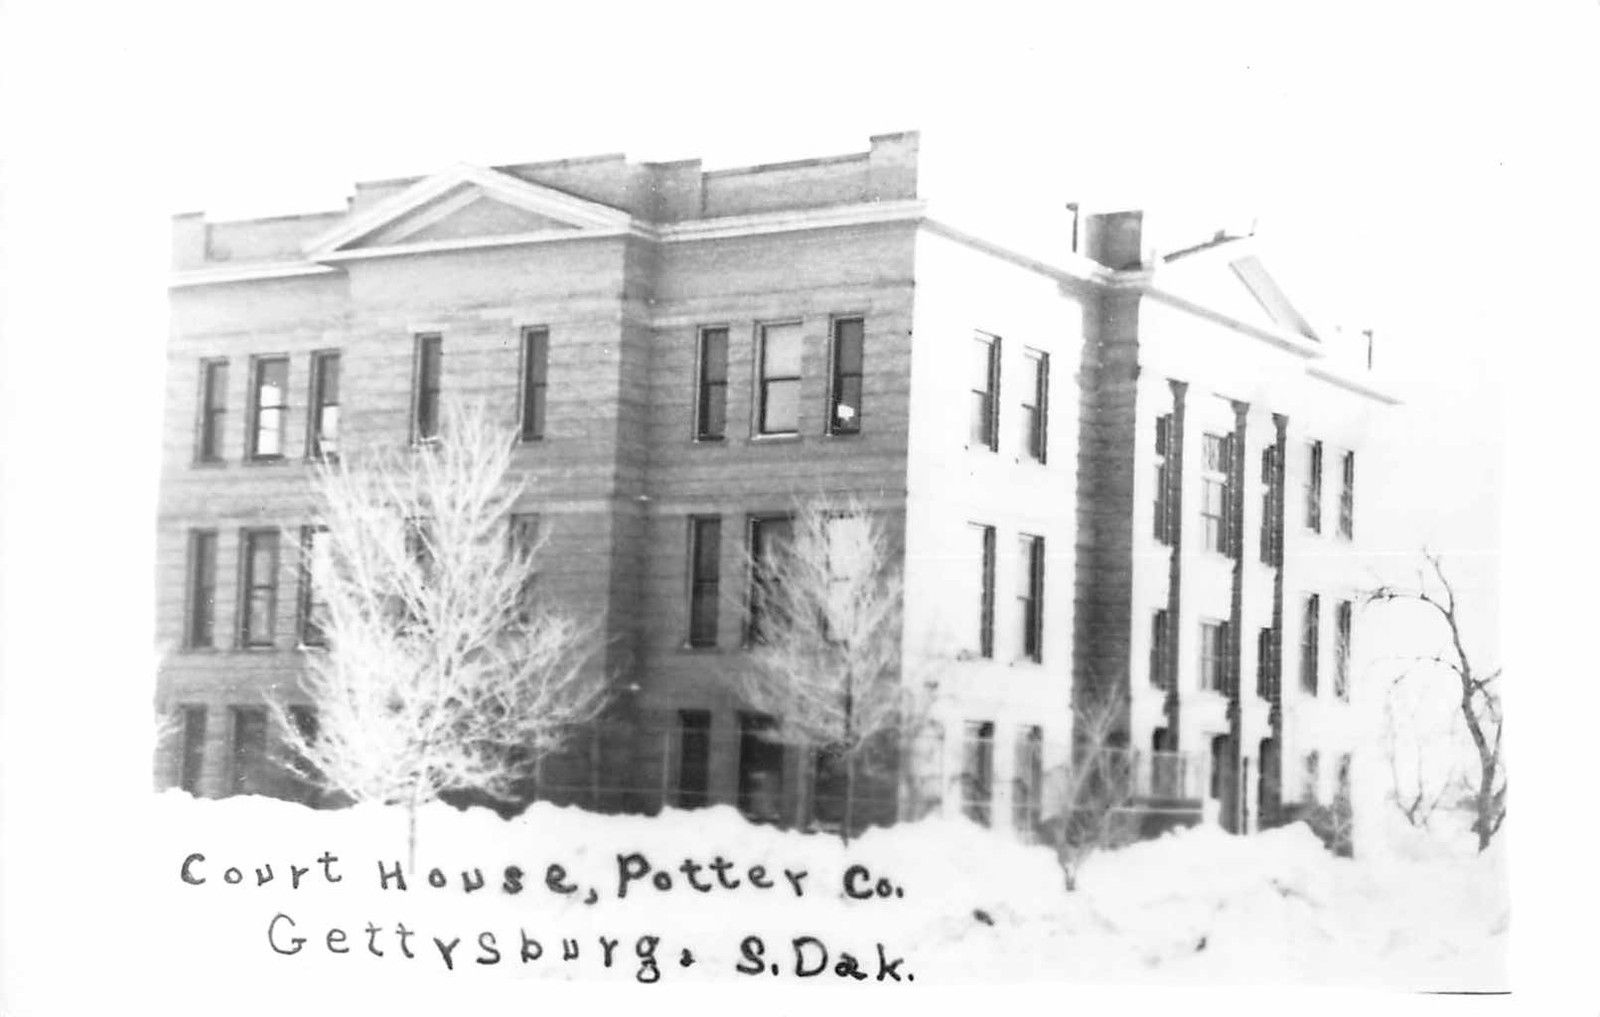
(465,206)
(1231,278)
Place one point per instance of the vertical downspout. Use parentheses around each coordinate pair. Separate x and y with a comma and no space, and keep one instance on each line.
(1232,796)
(1175,566)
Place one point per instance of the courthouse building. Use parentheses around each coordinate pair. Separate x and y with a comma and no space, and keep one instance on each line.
(1108,468)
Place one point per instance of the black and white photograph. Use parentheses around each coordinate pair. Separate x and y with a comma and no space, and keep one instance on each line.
(709,507)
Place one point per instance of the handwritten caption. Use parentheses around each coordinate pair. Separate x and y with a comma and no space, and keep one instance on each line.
(635,876)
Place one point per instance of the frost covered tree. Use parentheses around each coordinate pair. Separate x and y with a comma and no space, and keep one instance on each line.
(1477,689)
(441,671)
(1089,798)
(825,637)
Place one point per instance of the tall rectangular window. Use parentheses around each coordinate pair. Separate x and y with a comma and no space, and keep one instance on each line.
(258,587)
(526,538)
(269,405)
(1347,497)
(314,550)
(535,375)
(760,769)
(1308,643)
(1314,487)
(1213,655)
(1269,505)
(986,549)
(1030,596)
(1027,791)
(303,774)
(425,392)
(248,756)
(1035,403)
(1160,649)
(1341,649)
(1216,497)
(778,397)
(694,758)
(322,429)
(1164,521)
(984,371)
(977,771)
(705,564)
(199,628)
(711,385)
(769,541)
(1313,775)
(213,410)
(844,389)
(192,752)
(1264,663)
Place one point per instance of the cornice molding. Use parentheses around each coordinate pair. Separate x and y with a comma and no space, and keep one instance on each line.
(248,272)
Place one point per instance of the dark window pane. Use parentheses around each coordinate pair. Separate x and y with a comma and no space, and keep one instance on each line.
(249,757)
(760,769)
(193,748)
(714,355)
(430,354)
(535,376)
(712,397)
(705,562)
(694,758)
(213,400)
(202,587)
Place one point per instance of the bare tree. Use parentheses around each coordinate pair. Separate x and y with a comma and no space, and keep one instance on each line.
(1479,700)
(441,672)
(1422,773)
(826,635)
(1089,799)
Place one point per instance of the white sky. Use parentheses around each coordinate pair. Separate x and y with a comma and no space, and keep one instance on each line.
(1427,167)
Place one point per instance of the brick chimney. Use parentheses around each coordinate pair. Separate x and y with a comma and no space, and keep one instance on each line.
(1115,239)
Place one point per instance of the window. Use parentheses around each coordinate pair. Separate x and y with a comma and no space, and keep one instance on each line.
(301,771)
(1216,498)
(1347,497)
(1166,765)
(213,410)
(1030,597)
(526,538)
(705,544)
(1341,650)
(1165,521)
(984,424)
(202,594)
(1213,655)
(1161,649)
(248,755)
(844,398)
(829,785)
(711,397)
(778,400)
(1312,766)
(1035,403)
(1308,643)
(258,587)
(425,394)
(694,758)
(269,404)
(1342,791)
(851,554)
(1027,793)
(535,372)
(313,607)
(1314,487)
(1269,505)
(760,769)
(192,752)
(1221,764)
(977,771)
(1264,663)
(322,430)
(985,640)
(769,540)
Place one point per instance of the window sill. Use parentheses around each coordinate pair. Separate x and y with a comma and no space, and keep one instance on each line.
(688,648)
(208,464)
(265,460)
(709,439)
(841,434)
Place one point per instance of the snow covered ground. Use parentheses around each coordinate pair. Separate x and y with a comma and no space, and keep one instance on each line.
(685,897)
